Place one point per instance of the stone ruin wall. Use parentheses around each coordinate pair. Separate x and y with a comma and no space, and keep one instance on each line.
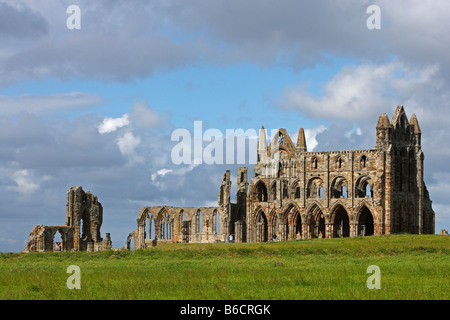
(81,231)
(296,194)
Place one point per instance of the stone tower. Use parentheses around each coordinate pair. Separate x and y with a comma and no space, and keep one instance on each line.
(81,231)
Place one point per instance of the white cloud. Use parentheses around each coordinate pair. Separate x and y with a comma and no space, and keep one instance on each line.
(177,179)
(112,124)
(361,92)
(24,182)
(310,136)
(127,144)
(161,173)
(144,116)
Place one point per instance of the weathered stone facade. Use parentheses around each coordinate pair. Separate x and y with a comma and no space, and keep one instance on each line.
(296,194)
(81,231)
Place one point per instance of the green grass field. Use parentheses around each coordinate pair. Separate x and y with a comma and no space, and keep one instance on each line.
(412,267)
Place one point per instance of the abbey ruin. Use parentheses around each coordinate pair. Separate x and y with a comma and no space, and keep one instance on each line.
(80,232)
(296,194)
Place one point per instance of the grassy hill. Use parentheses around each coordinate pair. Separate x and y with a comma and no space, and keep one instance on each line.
(411,266)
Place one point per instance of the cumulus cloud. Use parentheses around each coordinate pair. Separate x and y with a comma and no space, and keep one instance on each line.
(112,124)
(144,116)
(353,99)
(24,182)
(19,21)
(127,144)
(161,172)
(310,136)
(360,92)
(134,39)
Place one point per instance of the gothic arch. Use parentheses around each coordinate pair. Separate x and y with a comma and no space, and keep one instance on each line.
(314,163)
(161,212)
(295,189)
(340,220)
(199,218)
(312,205)
(143,215)
(366,222)
(315,222)
(286,209)
(364,186)
(273,190)
(363,162)
(293,220)
(260,191)
(364,203)
(339,188)
(262,234)
(255,214)
(165,223)
(338,162)
(130,237)
(315,188)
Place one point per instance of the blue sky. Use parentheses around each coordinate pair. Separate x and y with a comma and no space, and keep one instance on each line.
(201,93)
(151,67)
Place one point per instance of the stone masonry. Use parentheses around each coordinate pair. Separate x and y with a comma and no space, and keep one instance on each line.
(296,194)
(81,231)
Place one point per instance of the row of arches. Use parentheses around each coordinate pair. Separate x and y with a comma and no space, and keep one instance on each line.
(314,189)
(169,224)
(162,225)
(292,224)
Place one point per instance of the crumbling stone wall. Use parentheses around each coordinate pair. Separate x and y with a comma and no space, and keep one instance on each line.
(81,231)
(296,194)
(167,224)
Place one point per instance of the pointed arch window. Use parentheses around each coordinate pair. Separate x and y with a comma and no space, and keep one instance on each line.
(166,227)
(261,191)
(217,218)
(274,190)
(297,192)
(338,162)
(285,190)
(314,163)
(199,221)
(363,162)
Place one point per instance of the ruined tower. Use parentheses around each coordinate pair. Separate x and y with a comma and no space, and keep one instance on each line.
(81,231)
(297,194)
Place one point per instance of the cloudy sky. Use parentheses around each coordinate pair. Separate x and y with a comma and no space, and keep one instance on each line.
(97,106)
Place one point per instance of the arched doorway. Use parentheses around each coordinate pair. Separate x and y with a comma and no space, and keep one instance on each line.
(365,222)
(130,244)
(341,223)
(261,191)
(57,242)
(261,227)
(297,227)
(316,223)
